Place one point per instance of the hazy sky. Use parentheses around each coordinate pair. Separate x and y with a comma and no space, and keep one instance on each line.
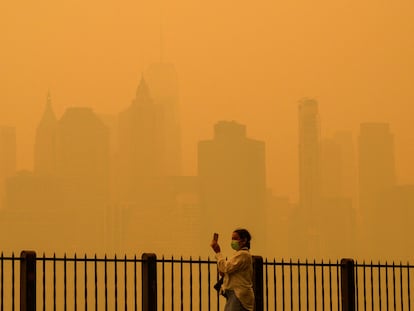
(249,61)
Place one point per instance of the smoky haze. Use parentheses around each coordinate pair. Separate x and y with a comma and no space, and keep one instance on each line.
(132,126)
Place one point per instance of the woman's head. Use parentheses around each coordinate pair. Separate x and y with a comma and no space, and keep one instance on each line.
(243,237)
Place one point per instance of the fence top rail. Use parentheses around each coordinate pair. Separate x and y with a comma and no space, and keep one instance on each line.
(199,260)
(305,263)
(383,265)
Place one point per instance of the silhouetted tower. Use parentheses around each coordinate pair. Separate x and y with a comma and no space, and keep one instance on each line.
(45,142)
(163,84)
(309,174)
(376,179)
(83,157)
(309,144)
(141,147)
(338,169)
(7,157)
(376,165)
(232,174)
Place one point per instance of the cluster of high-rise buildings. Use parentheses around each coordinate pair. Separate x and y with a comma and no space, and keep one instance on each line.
(113,183)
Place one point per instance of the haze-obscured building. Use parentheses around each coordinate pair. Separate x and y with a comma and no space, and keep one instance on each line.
(45,142)
(7,157)
(376,177)
(309,176)
(232,176)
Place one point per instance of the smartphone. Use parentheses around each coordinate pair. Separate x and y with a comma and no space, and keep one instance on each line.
(215,236)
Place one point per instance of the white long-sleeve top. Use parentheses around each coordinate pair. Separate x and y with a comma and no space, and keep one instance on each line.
(238,275)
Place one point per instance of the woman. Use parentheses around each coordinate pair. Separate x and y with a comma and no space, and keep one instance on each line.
(238,272)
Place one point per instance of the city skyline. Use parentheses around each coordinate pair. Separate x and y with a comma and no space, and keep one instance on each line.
(49,112)
(116,109)
(354,58)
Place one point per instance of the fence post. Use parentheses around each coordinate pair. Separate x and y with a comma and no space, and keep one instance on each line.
(258,283)
(28,281)
(348,284)
(149,282)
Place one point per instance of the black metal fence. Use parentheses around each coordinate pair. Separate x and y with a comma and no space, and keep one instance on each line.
(75,283)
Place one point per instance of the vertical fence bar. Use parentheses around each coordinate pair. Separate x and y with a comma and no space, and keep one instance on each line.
(365,286)
(208,284)
(191,284)
(379,286)
(135,284)
(323,286)
(54,282)
(330,285)
(125,285)
(13,283)
(149,282)
(116,283)
(75,281)
(172,283)
(267,285)
(401,288)
(372,286)
(106,282)
(275,283)
(315,292)
(181,285)
(64,283)
(386,286)
(338,286)
(283,286)
(95,266)
(299,292)
(291,283)
(28,281)
(258,282)
(85,282)
(393,285)
(200,285)
(348,285)
(43,281)
(408,287)
(2,283)
(163,283)
(307,284)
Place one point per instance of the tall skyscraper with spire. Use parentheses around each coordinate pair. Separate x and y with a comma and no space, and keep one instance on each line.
(45,142)
(141,147)
(163,84)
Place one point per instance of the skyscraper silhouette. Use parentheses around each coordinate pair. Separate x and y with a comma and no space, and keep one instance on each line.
(83,157)
(232,174)
(309,171)
(141,148)
(163,84)
(376,163)
(376,178)
(45,142)
(7,157)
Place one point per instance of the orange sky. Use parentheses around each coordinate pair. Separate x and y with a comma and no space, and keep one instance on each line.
(249,61)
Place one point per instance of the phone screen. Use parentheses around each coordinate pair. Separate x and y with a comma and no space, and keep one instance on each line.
(215,236)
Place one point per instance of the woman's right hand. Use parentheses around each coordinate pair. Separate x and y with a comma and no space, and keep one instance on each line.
(215,246)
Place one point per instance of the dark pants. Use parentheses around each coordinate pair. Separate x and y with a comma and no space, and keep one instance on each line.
(232,303)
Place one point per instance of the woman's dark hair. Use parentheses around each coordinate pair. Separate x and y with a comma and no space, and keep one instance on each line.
(245,235)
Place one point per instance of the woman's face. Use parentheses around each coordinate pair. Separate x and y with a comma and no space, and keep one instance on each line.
(235,237)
